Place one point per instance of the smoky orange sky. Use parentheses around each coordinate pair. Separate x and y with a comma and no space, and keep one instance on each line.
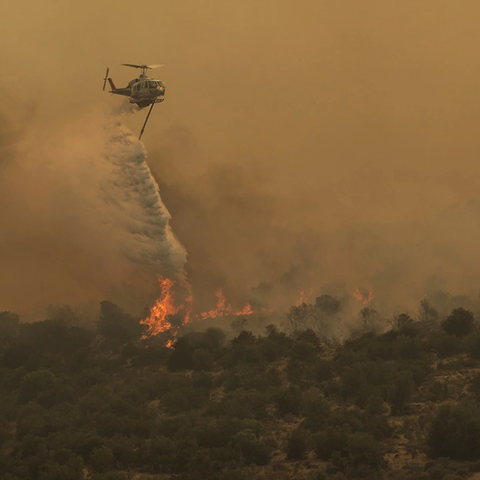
(335,139)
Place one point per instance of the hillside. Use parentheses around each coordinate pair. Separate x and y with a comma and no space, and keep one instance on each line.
(107,405)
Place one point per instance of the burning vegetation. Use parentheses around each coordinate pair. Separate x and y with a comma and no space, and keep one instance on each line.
(175,308)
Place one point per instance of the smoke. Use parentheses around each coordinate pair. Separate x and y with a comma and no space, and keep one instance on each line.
(265,248)
(82,219)
(301,145)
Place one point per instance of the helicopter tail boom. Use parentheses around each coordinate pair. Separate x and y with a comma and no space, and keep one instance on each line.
(110,81)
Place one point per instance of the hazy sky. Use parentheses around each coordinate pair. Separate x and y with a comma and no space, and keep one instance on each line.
(341,131)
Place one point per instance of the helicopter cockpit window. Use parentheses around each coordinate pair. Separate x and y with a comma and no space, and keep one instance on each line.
(153,84)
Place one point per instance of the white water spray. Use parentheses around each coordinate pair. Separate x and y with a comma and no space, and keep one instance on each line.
(82,217)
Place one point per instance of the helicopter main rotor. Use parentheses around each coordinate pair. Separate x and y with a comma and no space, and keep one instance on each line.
(143,67)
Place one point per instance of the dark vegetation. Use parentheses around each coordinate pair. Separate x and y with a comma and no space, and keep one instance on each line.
(403,403)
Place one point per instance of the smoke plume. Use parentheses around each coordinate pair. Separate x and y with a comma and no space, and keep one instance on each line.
(83,219)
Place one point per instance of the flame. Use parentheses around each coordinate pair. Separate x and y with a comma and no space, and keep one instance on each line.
(304,297)
(164,307)
(224,309)
(366,298)
(161,312)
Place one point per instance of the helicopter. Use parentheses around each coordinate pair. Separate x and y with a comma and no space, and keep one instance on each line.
(142,91)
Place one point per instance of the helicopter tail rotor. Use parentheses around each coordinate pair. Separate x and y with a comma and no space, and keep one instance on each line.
(105,79)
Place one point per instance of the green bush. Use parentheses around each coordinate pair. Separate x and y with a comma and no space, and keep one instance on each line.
(286,399)
(315,409)
(455,432)
(363,449)
(251,449)
(297,444)
(202,360)
(116,326)
(332,439)
(101,459)
(459,322)
(401,392)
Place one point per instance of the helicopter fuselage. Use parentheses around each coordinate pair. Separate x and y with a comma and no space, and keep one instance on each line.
(145,91)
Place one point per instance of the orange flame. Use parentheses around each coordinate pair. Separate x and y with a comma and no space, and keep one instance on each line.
(304,297)
(159,318)
(160,314)
(366,298)
(224,309)
(164,307)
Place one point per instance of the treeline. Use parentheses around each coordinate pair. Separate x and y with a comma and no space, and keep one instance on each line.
(106,404)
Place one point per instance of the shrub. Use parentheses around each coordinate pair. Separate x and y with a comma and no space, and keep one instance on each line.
(405,325)
(297,444)
(9,326)
(202,360)
(332,439)
(401,392)
(459,322)
(328,305)
(445,345)
(474,346)
(455,432)
(252,449)
(315,409)
(287,399)
(363,449)
(116,326)
(322,370)
(101,459)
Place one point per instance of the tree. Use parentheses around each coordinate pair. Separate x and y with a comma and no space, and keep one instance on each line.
(116,326)
(297,444)
(328,305)
(332,439)
(252,449)
(405,325)
(202,360)
(427,313)
(459,322)
(401,392)
(455,432)
(35,383)
(363,449)
(370,319)
(101,459)
(9,325)
(300,317)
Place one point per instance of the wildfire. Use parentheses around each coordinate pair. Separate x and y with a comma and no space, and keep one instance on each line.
(304,297)
(366,298)
(162,313)
(224,309)
(165,307)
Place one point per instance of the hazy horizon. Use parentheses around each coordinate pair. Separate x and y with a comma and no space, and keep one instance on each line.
(337,138)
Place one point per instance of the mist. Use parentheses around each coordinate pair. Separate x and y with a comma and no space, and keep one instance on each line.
(324,145)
